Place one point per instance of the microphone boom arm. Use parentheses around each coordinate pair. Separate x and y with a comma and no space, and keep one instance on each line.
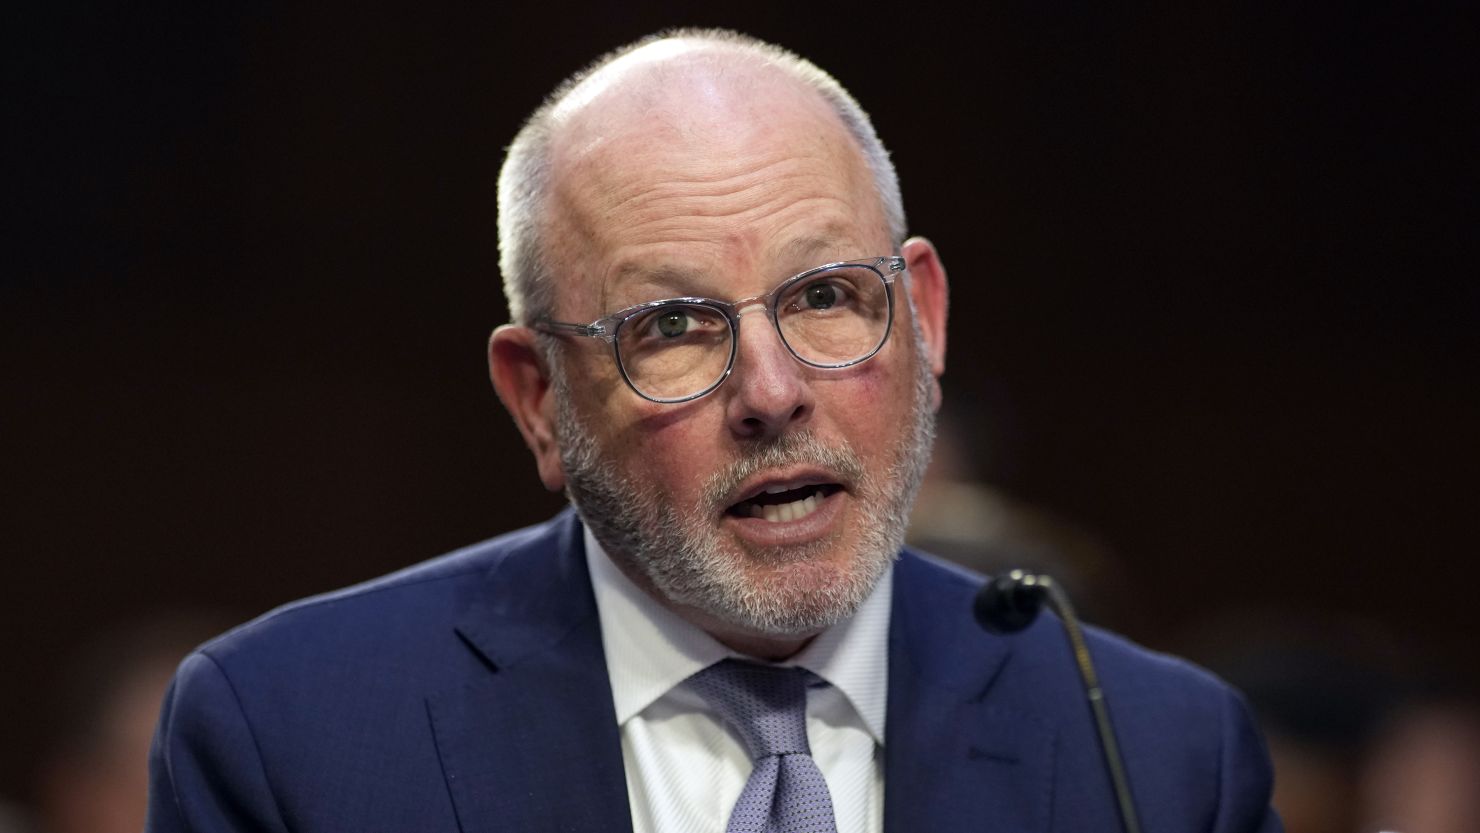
(1059,600)
(1009,603)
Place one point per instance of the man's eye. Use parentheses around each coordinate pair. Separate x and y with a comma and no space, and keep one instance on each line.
(833,293)
(673,323)
(821,296)
(676,323)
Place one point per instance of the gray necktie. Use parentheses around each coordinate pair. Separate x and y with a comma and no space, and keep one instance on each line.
(767,706)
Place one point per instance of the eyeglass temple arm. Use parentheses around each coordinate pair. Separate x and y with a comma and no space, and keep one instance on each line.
(545,325)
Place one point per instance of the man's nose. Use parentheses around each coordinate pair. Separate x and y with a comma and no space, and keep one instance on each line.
(769,390)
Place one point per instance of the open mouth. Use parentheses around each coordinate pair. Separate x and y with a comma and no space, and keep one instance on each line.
(779,505)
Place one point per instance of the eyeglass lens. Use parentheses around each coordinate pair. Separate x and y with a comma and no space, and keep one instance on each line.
(832,318)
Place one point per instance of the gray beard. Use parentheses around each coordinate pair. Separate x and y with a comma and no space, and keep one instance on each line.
(682,554)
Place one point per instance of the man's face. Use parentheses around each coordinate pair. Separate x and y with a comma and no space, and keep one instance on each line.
(755,586)
(771,506)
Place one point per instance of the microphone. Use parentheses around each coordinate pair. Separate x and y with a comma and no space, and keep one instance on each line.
(1009,603)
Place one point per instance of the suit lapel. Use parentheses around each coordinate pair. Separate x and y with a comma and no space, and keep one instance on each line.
(531,742)
(956,756)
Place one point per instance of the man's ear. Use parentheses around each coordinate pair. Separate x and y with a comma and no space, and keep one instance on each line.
(929,294)
(517,369)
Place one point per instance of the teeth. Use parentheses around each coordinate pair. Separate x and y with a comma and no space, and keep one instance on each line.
(784,512)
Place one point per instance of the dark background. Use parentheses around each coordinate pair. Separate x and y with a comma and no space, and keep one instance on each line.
(1212,277)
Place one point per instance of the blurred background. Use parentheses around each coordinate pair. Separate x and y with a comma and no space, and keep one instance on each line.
(1213,348)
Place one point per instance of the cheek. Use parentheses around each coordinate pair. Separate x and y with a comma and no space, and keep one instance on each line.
(672,453)
(877,399)
(597,377)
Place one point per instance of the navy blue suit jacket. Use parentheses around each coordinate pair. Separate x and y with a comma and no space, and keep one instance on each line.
(470,693)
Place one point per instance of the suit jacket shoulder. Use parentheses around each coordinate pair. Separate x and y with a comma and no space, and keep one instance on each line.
(428,699)
(999,726)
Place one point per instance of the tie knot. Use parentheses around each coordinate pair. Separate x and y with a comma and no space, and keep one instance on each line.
(766,705)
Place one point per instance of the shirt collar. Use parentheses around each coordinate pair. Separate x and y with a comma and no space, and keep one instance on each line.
(650,649)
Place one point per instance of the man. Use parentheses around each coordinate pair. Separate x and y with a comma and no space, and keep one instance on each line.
(726,353)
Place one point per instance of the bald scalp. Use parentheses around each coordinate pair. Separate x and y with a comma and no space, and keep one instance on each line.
(702,86)
(638,147)
(682,86)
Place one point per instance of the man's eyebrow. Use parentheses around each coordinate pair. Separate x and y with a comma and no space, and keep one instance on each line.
(813,244)
(673,281)
(660,273)
(662,281)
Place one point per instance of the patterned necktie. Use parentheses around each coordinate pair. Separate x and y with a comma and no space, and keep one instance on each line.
(767,706)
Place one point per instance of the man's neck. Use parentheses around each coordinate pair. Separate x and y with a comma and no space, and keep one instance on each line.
(770,649)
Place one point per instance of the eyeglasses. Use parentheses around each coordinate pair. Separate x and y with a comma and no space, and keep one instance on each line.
(680,349)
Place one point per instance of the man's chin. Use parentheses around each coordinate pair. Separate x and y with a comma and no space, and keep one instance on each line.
(764,563)
(792,591)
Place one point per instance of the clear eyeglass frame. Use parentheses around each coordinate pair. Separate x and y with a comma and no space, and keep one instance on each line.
(607,328)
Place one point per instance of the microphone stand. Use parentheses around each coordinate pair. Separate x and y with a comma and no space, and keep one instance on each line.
(1022,592)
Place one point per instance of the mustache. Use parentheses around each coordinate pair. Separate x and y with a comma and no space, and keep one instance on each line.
(788,450)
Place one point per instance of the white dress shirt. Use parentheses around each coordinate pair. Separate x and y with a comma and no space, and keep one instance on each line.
(685,769)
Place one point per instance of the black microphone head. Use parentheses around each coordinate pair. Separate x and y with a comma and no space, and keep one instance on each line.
(1009,602)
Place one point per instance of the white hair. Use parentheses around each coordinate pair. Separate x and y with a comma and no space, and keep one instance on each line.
(524,180)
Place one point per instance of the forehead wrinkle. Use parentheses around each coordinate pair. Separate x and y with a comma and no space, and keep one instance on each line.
(625,168)
(706,186)
(609,204)
(673,279)
(665,227)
